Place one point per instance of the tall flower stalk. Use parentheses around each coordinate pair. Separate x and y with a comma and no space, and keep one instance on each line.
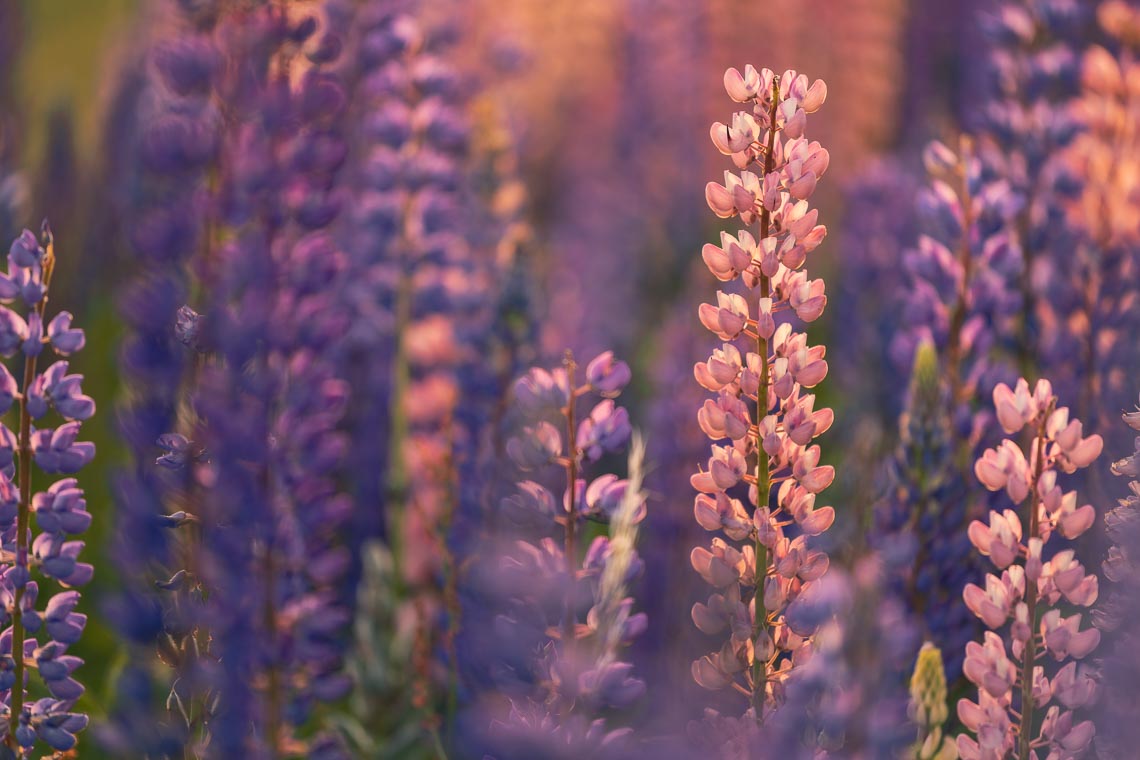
(1024,126)
(919,525)
(959,295)
(757,581)
(958,308)
(568,611)
(1118,611)
(1092,306)
(59,511)
(244,145)
(1019,707)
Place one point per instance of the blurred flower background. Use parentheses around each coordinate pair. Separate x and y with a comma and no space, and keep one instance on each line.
(361,281)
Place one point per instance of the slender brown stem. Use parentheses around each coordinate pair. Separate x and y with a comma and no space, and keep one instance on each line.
(571,545)
(763,475)
(1025,729)
(1028,324)
(966,261)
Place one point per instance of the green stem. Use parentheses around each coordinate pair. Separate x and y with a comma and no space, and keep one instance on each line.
(396,487)
(1025,730)
(763,476)
(273,719)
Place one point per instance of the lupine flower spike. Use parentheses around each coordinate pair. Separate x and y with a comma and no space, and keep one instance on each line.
(1033,595)
(1091,307)
(1025,124)
(762,413)
(574,640)
(35,639)
(928,708)
(1117,613)
(920,525)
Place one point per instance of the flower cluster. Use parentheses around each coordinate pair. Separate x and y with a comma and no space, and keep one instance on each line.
(35,638)
(573,611)
(958,293)
(1116,612)
(849,697)
(246,385)
(431,289)
(928,708)
(919,525)
(437,292)
(1032,594)
(1024,125)
(178,130)
(1088,312)
(762,406)
(268,406)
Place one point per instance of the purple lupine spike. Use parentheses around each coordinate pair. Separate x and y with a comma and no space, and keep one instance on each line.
(959,306)
(959,278)
(1089,306)
(60,511)
(251,457)
(847,699)
(268,412)
(168,126)
(421,347)
(1034,595)
(757,582)
(1023,127)
(1117,611)
(574,613)
(919,522)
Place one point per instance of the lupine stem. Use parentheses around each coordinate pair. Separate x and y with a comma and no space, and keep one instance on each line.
(965,260)
(1029,655)
(16,702)
(1028,324)
(397,476)
(273,719)
(763,484)
(571,546)
(450,584)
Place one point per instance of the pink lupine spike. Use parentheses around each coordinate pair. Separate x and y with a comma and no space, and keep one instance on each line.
(1031,586)
(779,170)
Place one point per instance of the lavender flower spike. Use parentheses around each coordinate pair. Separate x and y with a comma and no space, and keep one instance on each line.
(1118,612)
(31,636)
(1032,594)
(766,563)
(570,614)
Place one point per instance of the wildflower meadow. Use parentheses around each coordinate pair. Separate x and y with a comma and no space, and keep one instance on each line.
(570,379)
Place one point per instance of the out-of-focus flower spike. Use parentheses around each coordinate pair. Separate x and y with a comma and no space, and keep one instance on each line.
(578,675)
